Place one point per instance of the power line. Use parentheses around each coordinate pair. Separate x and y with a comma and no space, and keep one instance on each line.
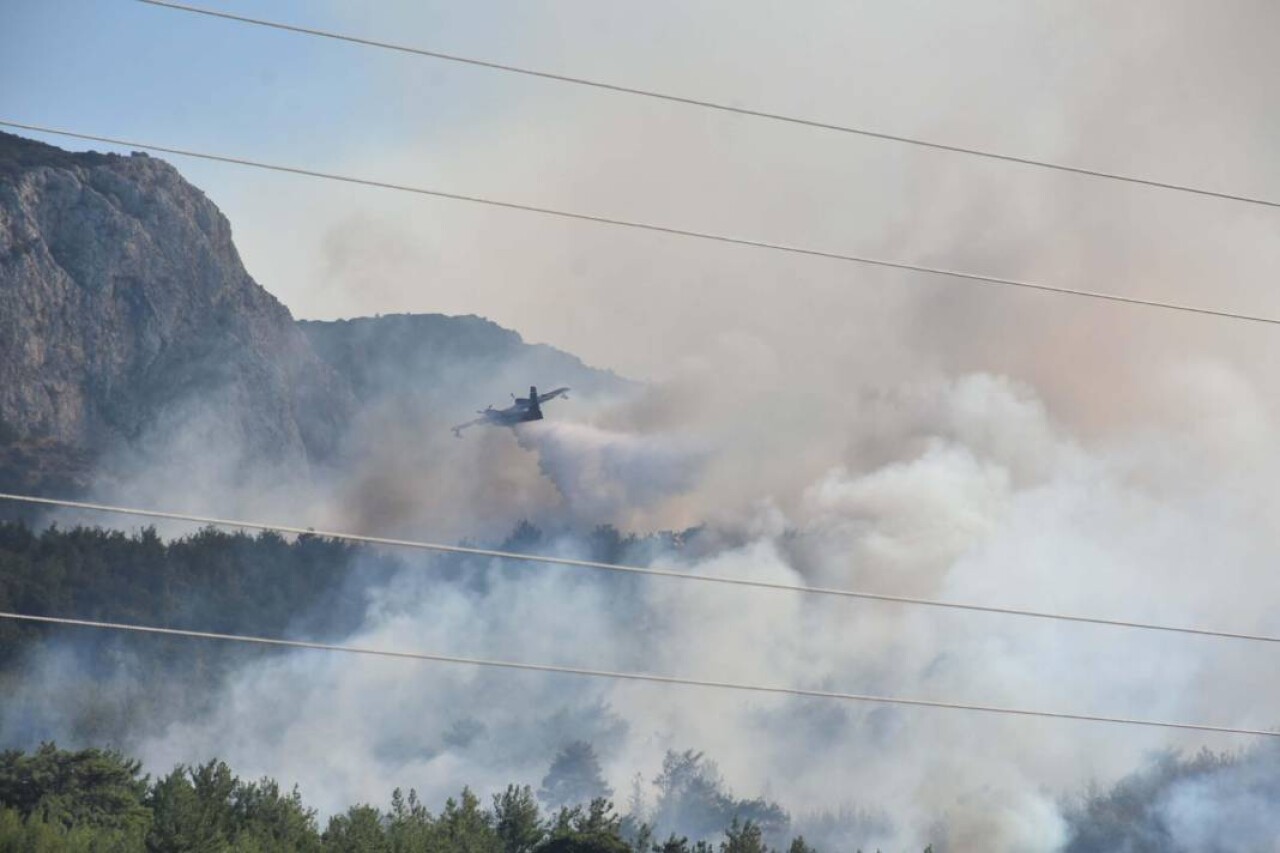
(718,106)
(975,278)
(635,676)
(639,570)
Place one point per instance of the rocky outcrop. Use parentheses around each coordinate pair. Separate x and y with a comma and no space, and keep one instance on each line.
(125,312)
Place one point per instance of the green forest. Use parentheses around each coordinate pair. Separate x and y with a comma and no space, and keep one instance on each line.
(99,801)
(303,587)
(226,582)
(264,584)
(209,580)
(93,800)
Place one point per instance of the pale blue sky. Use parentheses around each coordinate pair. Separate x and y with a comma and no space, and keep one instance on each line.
(122,68)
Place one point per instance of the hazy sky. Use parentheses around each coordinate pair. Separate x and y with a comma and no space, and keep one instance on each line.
(1180,91)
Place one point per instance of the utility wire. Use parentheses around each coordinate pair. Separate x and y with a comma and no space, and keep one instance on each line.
(640,570)
(719,106)
(975,278)
(636,676)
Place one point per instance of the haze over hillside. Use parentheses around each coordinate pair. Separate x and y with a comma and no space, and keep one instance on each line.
(130,333)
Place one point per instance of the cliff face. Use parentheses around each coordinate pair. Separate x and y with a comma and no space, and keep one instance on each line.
(124,309)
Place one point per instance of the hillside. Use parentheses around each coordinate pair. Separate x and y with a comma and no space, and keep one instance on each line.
(446,361)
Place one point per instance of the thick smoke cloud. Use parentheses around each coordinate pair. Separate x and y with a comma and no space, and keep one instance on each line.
(610,477)
(964,489)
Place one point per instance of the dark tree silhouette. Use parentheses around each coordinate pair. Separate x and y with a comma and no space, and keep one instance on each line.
(575,777)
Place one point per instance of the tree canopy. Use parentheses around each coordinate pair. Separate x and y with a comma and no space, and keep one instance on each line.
(95,801)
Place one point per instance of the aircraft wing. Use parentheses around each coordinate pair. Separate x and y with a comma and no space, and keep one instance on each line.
(457,431)
(551,395)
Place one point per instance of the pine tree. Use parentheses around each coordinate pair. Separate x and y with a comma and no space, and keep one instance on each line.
(743,838)
(359,830)
(595,829)
(464,827)
(575,777)
(409,826)
(517,821)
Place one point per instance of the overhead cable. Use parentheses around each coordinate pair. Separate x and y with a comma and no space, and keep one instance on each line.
(718,106)
(636,570)
(975,278)
(636,676)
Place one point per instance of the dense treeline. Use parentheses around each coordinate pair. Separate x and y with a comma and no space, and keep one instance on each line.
(305,588)
(97,687)
(95,801)
(226,582)
(98,801)
(210,580)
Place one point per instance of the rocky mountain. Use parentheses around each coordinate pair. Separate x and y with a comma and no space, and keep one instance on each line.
(128,323)
(124,309)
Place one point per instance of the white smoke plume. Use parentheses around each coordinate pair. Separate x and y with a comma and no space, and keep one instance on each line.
(985,499)
(610,477)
